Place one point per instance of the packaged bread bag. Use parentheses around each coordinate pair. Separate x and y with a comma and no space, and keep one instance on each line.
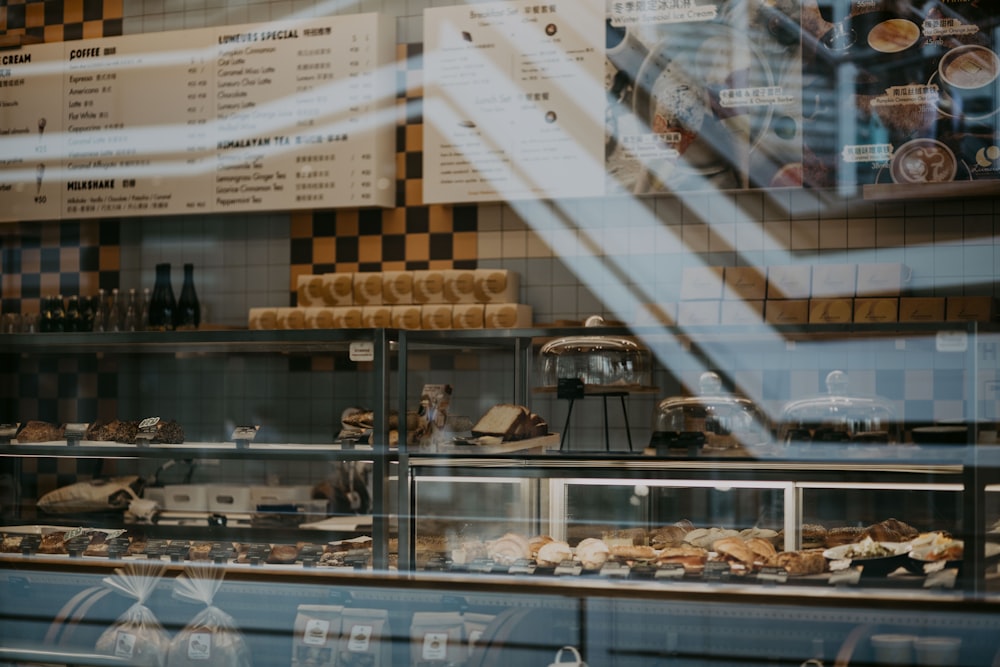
(136,636)
(438,638)
(211,637)
(364,639)
(317,635)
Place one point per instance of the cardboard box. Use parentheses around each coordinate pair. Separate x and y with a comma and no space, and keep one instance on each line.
(649,314)
(406,317)
(225,498)
(435,316)
(834,280)
(467,315)
(701,282)
(262,318)
(397,288)
(347,317)
(876,310)
(742,312)
(376,317)
(338,289)
(496,286)
(881,279)
(309,290)
(831,311)
(698,313)
(291,318)
(792,281)
(319,318)
(970,309)
(786,311)
(922,309)
(459,286)
(506,316)
(368,288)
(185,497)
(428,287)
(745,283)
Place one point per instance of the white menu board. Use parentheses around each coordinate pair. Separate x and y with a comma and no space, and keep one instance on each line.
(284,115)
(514,101)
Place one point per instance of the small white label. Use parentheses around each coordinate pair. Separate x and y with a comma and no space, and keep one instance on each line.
(952,341)
(148,423)
(124,645)
(474,637)
(362,351)
(361,637)
(435,646)
(200,646)
(316,632)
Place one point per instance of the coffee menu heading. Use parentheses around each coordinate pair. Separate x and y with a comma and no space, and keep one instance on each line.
(280,116)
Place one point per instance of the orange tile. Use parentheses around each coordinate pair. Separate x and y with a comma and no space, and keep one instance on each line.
(109,258)
(301,226)
(414,192)
(324,250)
(69,260)
(401,53)
(34,15)
(90,282)
(394,221)
(463,245)
(369,248)
(418,247)
(53,33)
(31,260)
(440,219)
(90,233)
(114,9)
(400,165)
(50,284)
(11,286)
(439,264)
(73,11)
(394,266)
(415,138)
(347,267)
(347,223)
(50,234)
(93,29)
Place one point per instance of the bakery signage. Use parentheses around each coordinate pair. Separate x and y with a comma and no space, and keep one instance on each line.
(282,115)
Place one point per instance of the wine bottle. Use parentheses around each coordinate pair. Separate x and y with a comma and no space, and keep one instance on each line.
(162,303)
(188,315)
(72,321)
(131,319)
(114,322)
(58,314)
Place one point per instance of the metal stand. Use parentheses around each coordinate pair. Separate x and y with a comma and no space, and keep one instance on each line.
(607,435)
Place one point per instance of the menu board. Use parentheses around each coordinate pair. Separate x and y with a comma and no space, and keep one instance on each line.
(284,115)
(514,101)
(901,95)
(529,99)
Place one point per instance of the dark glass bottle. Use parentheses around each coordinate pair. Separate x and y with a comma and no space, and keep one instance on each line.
(188,314)
(72,320)
(45,315)
(87,313)
(162,304)
(58,314)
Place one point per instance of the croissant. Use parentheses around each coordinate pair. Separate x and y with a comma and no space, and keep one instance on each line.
(509,549)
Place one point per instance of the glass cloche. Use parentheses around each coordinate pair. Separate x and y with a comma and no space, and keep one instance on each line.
(599,361)
(838,416)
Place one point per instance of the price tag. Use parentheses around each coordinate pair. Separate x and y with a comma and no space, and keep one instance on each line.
(568,567)
(147,430)
(615,570)
(7,432)
(244,435)
(952,341)
(74,432)
(717,570)
(360,350)
(846,577)
(773,575)
(522,566)
(670,571)
(481,565)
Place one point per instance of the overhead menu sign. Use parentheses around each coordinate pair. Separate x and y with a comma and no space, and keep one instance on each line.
(514,101)
(284,115)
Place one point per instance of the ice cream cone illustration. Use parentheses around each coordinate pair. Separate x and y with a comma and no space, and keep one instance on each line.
(39,174)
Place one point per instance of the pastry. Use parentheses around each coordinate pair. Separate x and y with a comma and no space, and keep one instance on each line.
(39,431)
(734,551)
(763,550)
(843,535)
(537,542)
(509,549)
(763,533)
(801,563)
(667,536)
(553,553)
(200,551)
(592,553)
(98,546)
(692,558)
(624,538)
(813,535)
(283,554)
(11,544)
(53,543)
(630,553)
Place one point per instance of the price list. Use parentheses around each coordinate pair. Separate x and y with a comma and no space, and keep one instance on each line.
(241,118)
(515,100)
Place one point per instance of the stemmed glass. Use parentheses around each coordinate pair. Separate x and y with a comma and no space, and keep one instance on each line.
(841,36)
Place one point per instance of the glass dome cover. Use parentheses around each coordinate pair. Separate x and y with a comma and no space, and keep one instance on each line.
(613,362)
(719,420)
(838,416)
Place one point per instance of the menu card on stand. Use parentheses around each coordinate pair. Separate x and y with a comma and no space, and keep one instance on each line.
(514,101)
(283,115)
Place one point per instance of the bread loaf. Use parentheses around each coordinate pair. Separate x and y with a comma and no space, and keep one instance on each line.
(504,420)
(553,553)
